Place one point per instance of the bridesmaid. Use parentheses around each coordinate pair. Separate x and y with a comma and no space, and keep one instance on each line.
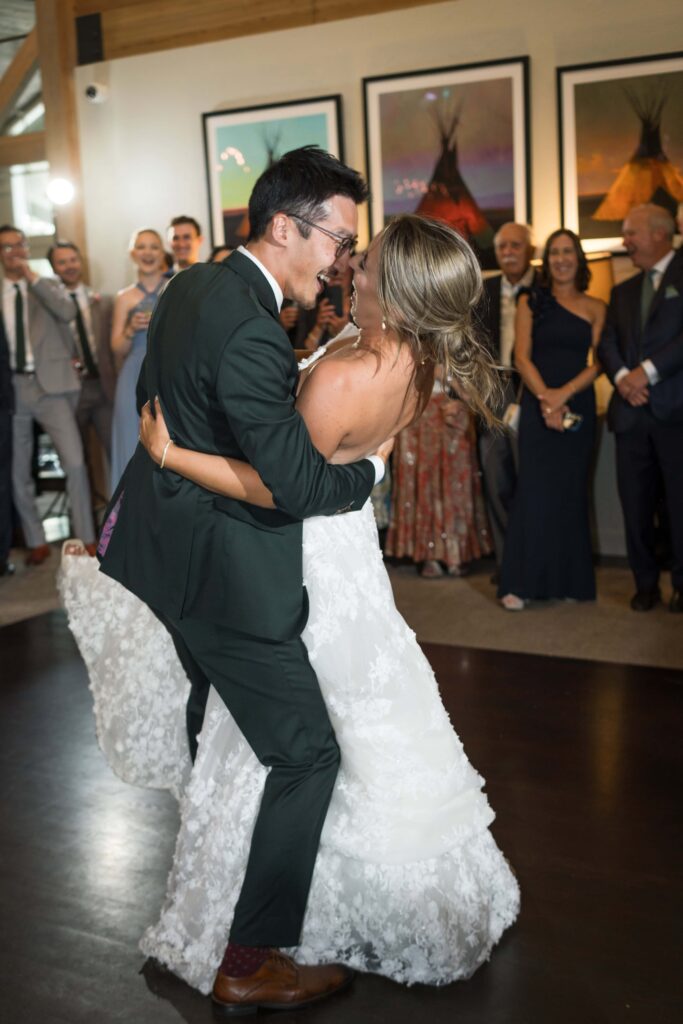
(132,313)
(547,545)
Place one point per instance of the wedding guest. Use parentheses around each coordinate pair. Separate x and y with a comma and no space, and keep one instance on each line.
(547,551)
(311,328)
(514,249)
(6,406)
(132,312)
(642,351)
(288,317)
(185,240)
(331,314)
(437,516)
(91,335)
(46,388)
(219,253)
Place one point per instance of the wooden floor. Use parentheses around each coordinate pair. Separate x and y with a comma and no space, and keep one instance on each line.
(583,766)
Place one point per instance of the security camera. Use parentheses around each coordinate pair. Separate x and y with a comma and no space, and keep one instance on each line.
(96,92)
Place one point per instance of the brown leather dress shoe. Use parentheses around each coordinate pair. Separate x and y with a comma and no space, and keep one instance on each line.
(36,556)
(278,984)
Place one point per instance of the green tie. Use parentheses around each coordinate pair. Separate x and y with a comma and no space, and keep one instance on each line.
(647,294)
(20,354)
(88,360)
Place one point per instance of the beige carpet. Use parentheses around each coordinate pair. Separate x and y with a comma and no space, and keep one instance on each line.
(464,612)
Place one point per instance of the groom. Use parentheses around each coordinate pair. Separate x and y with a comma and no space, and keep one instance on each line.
(226,577)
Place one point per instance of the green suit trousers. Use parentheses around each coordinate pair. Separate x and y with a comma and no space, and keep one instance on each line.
(273,694)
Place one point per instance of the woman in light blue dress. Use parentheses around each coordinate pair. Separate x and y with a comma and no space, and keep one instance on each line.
(132,312)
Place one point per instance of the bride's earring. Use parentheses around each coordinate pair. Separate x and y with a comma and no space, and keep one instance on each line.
(384,325)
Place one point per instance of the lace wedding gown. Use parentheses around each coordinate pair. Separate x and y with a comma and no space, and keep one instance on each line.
(408,882)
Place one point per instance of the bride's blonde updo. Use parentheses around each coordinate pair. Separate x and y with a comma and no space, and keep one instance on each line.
(429,286)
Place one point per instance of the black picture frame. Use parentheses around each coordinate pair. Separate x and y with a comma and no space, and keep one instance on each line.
(599,108)
(498,136)
(242,141)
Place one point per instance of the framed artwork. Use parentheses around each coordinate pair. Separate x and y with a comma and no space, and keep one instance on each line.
(451,143)
(621,142)
(240,144)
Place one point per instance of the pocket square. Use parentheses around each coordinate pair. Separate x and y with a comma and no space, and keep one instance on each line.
(671,292)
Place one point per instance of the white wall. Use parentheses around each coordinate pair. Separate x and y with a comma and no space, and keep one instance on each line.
(142,150)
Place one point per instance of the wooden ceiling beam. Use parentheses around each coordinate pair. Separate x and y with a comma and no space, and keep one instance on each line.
(28,148)
(18,73)
(57,56)
(130,28)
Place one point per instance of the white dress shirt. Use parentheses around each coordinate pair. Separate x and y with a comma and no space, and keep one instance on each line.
(9,298)
(277,290)
(83,300)
(508,312)
(656,273)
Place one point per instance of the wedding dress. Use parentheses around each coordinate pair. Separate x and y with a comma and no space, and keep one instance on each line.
(408,882)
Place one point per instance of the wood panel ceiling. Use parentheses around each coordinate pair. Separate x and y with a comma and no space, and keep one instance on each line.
(17,18)
(133,28)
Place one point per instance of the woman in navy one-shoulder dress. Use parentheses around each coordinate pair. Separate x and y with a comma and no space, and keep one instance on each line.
(132,312)
(548,545)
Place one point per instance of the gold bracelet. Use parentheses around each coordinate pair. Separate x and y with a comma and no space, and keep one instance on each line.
(163,454)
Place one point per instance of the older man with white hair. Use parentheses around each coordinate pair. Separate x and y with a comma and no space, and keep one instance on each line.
(642,351)
(498,451)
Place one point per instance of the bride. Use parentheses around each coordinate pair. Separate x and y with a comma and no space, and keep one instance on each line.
(408,881)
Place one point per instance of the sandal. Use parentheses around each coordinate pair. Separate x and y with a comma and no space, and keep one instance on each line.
(73,546)
(431,570)
(512,603)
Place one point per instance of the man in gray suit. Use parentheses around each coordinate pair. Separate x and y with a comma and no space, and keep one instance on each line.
(6,406)
(90,332)
(46,388)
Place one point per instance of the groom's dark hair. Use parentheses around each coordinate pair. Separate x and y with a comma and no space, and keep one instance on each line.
(300,183)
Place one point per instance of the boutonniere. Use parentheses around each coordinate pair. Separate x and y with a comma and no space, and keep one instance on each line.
(671,292)
(96,297)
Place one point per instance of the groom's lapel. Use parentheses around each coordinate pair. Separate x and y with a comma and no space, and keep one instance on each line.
(257,281)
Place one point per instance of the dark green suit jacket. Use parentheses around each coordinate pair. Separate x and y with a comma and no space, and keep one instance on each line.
(226,377)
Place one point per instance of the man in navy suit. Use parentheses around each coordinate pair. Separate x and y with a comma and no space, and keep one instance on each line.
(642,351)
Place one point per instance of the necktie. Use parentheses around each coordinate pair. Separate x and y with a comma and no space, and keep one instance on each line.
(20,353)
(647,294)
(91,368)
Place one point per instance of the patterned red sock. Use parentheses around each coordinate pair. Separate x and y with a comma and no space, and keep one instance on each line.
(240,961)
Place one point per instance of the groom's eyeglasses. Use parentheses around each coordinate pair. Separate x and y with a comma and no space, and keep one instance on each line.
(345,243)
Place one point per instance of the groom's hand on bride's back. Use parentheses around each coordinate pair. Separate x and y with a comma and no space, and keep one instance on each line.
(385,450)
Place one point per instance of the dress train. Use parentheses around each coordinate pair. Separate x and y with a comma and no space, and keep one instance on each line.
(409,882)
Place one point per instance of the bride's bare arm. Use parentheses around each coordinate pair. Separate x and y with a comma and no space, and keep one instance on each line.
(325,408)
(216,473)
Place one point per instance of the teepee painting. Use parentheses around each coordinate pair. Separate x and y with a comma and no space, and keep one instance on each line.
(450,144)
(447,196)
(649,176)
(622,142)
(272,143)
(241,144)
